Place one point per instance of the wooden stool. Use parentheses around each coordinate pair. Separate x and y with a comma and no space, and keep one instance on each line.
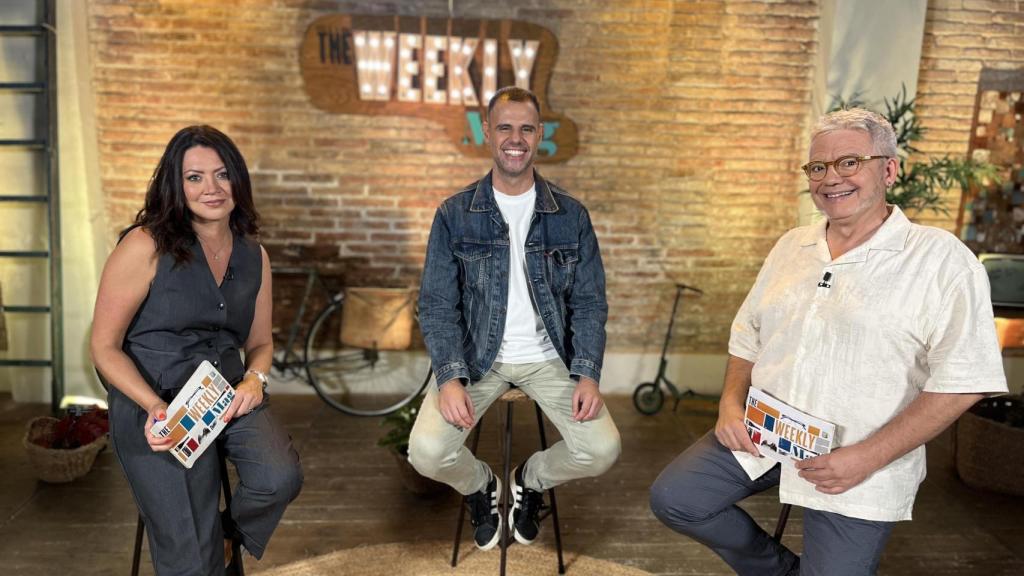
(236,547)
(510,398)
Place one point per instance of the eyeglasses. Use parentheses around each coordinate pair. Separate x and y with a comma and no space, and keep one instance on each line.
(844,166)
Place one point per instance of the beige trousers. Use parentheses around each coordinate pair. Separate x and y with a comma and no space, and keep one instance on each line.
(437,449)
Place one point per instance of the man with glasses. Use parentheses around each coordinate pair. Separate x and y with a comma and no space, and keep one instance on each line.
(866,320)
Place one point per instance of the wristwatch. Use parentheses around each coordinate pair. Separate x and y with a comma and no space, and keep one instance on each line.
(262,376)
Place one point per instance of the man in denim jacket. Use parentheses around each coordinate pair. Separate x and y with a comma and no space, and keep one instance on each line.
(513,294)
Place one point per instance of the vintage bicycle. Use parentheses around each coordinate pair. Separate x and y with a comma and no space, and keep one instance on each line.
(362,353)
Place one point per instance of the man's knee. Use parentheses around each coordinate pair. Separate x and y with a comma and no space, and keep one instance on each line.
(607,454)
(426,455)
(600,454)
(673,507)
(662,502)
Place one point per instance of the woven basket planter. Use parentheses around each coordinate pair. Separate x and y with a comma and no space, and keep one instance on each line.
(58,465)
(990,454)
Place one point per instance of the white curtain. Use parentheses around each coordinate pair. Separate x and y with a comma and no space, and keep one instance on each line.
(868,50)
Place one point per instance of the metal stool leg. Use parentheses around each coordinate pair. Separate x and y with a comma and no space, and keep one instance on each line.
(506,532)
(551,493)
(780,526)
(140,528)
(462,505)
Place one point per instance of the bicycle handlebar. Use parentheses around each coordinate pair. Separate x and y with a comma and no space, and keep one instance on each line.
(690,288)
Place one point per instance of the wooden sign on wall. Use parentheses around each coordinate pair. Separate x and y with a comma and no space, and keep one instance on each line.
(436,68)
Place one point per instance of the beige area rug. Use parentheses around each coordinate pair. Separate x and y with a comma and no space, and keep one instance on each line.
(432,558)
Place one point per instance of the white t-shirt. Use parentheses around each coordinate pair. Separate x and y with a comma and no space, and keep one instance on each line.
(525,340)
(908,311)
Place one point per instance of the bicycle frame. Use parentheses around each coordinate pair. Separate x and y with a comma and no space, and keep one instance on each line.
(359,358)
(290,361)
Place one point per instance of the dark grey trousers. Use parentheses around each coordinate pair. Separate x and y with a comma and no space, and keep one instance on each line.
(696,495)
(180,505)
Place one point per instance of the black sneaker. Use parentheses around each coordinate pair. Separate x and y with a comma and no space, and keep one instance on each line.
(526,505)
(483,515)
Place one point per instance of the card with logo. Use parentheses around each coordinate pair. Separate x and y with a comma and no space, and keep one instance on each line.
(194,416)
(784,433)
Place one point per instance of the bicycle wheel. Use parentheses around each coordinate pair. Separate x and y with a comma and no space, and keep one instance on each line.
(359,381)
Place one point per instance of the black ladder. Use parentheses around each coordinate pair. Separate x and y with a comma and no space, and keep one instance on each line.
(43,143)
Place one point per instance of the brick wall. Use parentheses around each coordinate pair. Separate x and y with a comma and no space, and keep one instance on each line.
(691,117)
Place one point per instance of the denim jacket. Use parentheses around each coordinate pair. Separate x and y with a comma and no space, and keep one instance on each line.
(464,290)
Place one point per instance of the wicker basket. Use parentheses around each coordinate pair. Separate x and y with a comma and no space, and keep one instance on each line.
(58,465)
(989,454)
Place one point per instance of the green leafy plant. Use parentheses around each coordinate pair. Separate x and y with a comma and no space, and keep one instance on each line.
(920,184)
(400,423)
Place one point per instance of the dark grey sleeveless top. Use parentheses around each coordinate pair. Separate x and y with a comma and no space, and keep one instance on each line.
(188,318)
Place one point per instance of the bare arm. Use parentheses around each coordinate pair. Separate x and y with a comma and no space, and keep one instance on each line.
(846,467)
(729,429)
(123,287)
(259,347)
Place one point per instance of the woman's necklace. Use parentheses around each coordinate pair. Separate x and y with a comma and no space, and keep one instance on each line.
(216,253)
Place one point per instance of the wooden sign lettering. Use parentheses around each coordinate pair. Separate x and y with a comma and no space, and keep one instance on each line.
(440,69)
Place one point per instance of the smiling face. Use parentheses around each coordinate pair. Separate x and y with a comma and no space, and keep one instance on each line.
(206,184)
(856,199)
(513,131)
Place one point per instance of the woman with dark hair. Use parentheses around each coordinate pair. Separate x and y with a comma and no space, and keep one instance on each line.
(189,282)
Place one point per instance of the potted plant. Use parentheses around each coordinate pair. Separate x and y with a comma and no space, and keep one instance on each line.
(396,440)
(61,450)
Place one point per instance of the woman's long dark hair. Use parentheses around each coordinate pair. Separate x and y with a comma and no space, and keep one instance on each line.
(166,214)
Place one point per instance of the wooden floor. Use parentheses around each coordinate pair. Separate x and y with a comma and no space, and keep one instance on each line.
(353,496)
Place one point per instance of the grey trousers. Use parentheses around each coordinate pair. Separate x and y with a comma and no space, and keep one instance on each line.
(180,505)
(437,450)
(696,495)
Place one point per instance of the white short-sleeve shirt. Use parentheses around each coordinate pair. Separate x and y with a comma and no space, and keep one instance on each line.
(905,312)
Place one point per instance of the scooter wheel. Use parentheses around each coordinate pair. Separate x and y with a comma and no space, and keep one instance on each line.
(648,398)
